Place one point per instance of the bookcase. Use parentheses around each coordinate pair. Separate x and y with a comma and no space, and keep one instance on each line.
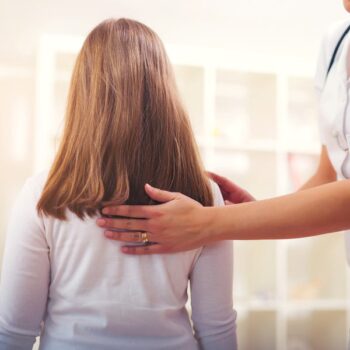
(255,120)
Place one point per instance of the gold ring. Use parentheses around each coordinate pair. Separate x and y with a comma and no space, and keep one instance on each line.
(144,237)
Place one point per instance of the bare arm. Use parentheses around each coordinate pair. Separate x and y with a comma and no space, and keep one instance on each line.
(300,215)
(310,212)
(183,224)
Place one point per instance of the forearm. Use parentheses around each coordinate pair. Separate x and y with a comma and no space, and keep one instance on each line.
(317,180)
(310,212)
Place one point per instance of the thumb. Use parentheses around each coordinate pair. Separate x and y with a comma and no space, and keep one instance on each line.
(159,195)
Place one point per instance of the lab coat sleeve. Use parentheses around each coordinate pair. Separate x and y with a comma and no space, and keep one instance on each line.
(322,65)
(214,319)
(319,82)
(25,274)
(327,47)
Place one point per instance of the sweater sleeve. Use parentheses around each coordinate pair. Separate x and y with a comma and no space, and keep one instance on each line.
(213,317)
(25,274)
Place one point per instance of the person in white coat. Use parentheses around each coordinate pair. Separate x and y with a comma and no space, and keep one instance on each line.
(321,206)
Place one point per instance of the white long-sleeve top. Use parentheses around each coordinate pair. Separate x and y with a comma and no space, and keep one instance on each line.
(64,281)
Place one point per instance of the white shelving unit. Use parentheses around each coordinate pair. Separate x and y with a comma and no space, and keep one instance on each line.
(255,122)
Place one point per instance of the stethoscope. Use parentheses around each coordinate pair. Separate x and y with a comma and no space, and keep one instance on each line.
(342,138)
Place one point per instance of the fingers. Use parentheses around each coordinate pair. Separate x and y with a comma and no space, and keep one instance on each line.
(248,197)
(127,236)
(159,195)
(145,250)
(223,182)
(230,191)
(225,194)
(215,177)
(130,211)
(123,224)
(141,211)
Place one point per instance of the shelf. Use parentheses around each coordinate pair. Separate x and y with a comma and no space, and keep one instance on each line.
(253,170)
(302,112)
(190,82)
(262,145)
(245,106)
(292,306)
(257,330)
(246,145)
(317,305)
(319,330)
(255,273)
(310,277)
(307,149)
(257,305)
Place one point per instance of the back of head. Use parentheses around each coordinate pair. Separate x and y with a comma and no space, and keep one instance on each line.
(125,126)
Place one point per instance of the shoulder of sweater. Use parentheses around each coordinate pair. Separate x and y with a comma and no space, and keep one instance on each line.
(36,182)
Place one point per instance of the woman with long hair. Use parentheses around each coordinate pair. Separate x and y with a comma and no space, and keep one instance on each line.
(61,278)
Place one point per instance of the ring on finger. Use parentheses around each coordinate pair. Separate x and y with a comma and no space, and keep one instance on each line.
(144,237)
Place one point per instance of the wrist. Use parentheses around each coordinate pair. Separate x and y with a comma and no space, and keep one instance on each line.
(210,229)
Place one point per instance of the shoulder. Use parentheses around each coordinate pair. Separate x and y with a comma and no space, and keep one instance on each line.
(328,45)
(36,183)
(218,200)
(336,29)
(333,34)
(24,217)
(33,187)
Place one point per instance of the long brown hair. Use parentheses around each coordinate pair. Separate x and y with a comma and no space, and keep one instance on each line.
(125,126)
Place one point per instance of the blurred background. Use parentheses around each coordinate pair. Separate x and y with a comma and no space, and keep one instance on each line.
(245,71)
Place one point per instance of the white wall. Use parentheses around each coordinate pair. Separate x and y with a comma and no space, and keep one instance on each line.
(279,27)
